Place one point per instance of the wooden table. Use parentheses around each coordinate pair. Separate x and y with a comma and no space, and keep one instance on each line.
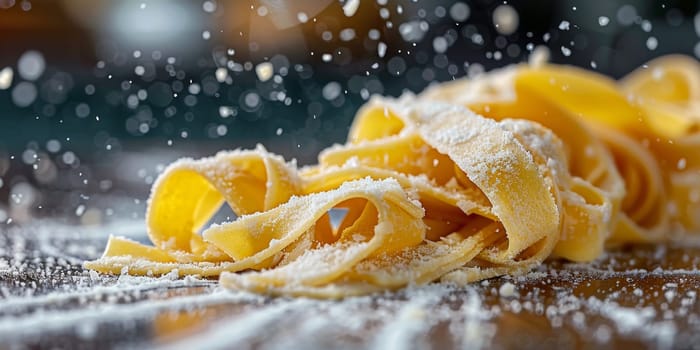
(634,297)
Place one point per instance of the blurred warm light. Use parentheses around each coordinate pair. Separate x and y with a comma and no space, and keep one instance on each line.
(285,14)
(256,30)
(87,13)
(141,24)
(154,23)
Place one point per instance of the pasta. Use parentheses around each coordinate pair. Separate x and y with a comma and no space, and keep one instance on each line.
(468,180)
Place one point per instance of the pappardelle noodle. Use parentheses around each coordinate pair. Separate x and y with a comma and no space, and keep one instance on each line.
(468,180)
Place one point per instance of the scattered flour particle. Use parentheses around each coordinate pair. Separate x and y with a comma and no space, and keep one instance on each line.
(459,12)
(603,334)
(221,74)
(331,91)
(652,43)
(413,31)
(172,275)
(226,111)
(505,19)
(264,71)
(440,44)
(579,319)
(347,34)
(603,21)
(669,295)
(664,334)
(627,15)
(80,210)
(564,25)
(539,56)
(31,65)
(302,17)
(381,49)
(6,75)
(629,319)
(209,6)
(86,330)
(507,290)
(566,51)
(681,164)
(350,7)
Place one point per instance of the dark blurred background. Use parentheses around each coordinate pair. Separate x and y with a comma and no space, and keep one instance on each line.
(96,96)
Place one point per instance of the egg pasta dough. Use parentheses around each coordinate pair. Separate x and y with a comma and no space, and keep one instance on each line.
(468,180)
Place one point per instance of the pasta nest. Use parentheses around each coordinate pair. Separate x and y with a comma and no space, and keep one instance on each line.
(468,180)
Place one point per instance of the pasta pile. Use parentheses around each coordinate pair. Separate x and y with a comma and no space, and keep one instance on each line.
(468,180)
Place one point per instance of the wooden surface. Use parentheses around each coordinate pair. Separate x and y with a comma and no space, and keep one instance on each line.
(635,297)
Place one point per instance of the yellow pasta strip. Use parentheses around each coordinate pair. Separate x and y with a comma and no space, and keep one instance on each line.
(190,192)
(443,199)
(668,89)
(593,96)
(500,166)
(185,198)
(407,154)
(397,224)
(119,246)
(672,79)
(426,262)
(372,123)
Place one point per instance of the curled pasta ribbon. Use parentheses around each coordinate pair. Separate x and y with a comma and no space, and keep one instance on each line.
(591,195)
(617,122)
(185,198)
(668,90)
(384,221)
(663,99)
(624,140)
